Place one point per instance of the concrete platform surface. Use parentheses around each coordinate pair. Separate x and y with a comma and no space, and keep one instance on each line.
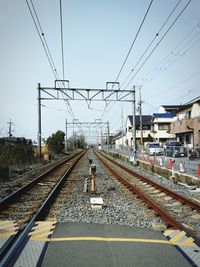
(82,244)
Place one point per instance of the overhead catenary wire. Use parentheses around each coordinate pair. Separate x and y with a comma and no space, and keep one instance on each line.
(165,22)
(63,62)
(130,49)
(135,38)
(62,40)
(152,51)
(152,41)
(43,40)
(174,55)
(174,60)
(169,28)
(43,37)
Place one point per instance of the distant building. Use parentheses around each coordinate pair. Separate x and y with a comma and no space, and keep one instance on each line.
(186,126)
(119,140)
(146,129)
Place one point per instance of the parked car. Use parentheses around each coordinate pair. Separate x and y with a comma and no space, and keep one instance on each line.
(154,148)
(174,148)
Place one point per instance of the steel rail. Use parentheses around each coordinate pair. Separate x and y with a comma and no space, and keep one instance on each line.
(172,223)
(13,250)
(15,195)
(180,198)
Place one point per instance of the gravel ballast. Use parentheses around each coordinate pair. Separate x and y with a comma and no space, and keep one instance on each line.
(119,205)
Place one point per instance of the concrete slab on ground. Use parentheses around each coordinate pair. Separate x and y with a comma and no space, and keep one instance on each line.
(82,244)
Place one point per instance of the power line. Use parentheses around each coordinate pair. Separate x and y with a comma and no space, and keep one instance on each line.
(43,36)
(165,22)
(46,47)
(169,59)
(152,41)
(62,41)
(40,36)
(177,84)
(188,93)
(134,40)
(158,43)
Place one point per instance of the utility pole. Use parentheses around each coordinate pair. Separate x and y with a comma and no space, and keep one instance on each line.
(122,125)
(133,126)
(10,128)
(108,141)
(141,124)
(73,141)
(101,138)
(39,123)
(66,136)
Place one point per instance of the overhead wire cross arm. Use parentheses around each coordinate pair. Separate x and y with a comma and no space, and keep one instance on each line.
(87,94)
(62,92)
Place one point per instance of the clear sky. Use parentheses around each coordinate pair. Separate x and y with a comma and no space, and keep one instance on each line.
(97,37)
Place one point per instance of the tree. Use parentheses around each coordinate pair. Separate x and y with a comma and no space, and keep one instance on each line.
(76,142)
(55,142)
(16,154)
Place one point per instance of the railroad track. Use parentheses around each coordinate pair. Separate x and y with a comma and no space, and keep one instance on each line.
(17,182)
(177,212)
(30,204)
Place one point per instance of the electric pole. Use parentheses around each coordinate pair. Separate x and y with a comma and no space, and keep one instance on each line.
(10,128)
(108,139)
(133,126)
(66,136)
(39,123)
(122,125)
(141,124)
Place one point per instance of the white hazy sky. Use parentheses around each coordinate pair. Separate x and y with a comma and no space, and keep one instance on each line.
(97,37)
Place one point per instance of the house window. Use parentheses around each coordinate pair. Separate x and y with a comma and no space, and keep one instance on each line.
(163,126)
(188,138)
(188,114)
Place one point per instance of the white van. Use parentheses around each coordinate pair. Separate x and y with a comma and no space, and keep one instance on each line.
(154,148)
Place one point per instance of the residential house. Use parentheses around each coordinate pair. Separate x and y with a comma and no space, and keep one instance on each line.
(146,129)
(119,140)
(186,127)
(162,125)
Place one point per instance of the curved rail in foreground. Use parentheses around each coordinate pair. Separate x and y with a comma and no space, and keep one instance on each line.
(167,218)
(13,249)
